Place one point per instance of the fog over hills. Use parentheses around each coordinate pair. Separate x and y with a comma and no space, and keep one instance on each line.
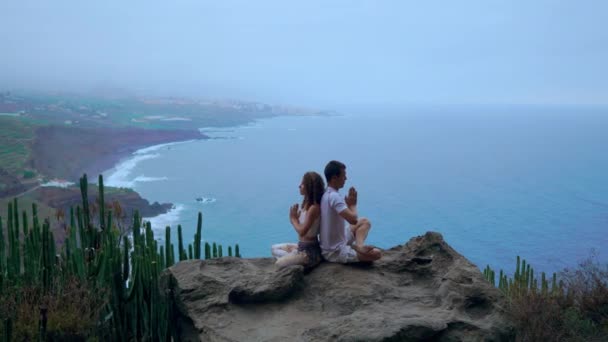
(312,53)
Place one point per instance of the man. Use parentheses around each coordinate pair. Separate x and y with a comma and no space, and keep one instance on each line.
(339,242)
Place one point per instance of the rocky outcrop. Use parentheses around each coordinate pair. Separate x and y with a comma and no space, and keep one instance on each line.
(423,290)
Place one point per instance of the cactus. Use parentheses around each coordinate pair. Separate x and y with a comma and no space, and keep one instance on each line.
(523,281)
(237,252)
(25,224)
(180,243)
(229,251)
(2,251)
(214,249)
(125,263)
(207,251)
(16,216)
(85,201)
(172,254)
(168,250)
(8,329)
(102,205)
(198,236)
(128,267)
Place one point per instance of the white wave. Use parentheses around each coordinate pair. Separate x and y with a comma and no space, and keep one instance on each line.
(170,218)
(142,179)
(206,200)
(58,183)
(153,148)
(119,176)
(176,119)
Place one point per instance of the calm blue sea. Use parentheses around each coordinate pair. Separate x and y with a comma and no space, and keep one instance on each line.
(496,182)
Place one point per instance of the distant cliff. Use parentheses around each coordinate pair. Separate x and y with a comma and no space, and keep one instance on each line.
(423,290)
(68,152)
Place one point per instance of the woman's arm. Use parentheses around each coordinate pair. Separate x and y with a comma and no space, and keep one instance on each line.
(312,215)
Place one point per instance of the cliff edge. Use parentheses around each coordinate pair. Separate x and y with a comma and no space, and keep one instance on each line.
(423,290)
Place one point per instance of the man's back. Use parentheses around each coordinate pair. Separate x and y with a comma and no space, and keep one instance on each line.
(332,234)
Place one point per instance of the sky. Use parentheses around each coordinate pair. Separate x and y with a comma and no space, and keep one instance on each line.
(313,52)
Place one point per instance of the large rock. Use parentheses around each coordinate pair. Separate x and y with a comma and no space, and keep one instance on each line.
(423,290)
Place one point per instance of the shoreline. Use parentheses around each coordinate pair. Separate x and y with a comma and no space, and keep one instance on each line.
(118,176)
(67,152)
(64,154)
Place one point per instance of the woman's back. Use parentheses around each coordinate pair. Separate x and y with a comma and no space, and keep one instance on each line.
(314,229)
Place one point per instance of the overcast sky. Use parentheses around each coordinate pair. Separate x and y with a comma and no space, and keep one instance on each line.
(317,53)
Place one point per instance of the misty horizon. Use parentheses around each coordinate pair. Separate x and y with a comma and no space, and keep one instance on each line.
(314,53)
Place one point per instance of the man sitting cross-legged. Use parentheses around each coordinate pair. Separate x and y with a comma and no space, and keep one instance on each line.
(339,242)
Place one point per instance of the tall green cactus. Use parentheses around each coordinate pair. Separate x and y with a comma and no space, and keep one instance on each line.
(237,252)
(85,201)
(101,204)
(168,249)
(207,250)
(2,251)
(16,216)
(198,236)
(180,243)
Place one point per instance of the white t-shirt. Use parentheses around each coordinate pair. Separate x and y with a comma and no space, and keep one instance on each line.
(333,234)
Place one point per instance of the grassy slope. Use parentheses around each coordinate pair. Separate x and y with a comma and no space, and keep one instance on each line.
(16,138)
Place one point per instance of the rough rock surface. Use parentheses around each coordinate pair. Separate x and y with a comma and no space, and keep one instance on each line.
(423,290)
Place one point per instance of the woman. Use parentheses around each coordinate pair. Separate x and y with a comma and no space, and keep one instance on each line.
(305,220)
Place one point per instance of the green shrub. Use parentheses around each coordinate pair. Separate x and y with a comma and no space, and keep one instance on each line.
(29,174)
(573,309)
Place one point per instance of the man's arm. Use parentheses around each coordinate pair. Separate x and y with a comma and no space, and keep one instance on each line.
(350,213)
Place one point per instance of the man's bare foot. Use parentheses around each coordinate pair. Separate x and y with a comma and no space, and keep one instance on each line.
(366,249)
(367,253)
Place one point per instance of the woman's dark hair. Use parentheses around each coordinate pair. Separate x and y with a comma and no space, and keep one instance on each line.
(313,189)
(333,168)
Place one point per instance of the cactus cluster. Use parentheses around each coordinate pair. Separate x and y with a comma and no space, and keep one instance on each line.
(523,281)
(129,266)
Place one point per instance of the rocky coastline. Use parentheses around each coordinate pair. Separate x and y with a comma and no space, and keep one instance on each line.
(64,154)
(68,152)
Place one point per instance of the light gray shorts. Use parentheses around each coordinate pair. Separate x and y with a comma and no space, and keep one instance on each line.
(345,254)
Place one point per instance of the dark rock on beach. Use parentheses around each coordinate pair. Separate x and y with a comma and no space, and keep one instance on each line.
(423,290)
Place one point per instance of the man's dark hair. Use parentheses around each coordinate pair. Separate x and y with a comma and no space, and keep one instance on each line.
(333,168)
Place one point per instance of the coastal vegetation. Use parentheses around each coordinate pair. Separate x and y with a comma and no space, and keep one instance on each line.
(571,306)
(101,284)
(16,138)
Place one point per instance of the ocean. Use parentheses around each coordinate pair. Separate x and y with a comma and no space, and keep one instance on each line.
(496,182)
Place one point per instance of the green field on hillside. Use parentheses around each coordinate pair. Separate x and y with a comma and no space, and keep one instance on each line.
(16,138)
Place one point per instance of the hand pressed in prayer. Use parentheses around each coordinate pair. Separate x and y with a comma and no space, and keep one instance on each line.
(294,212)
(351,198)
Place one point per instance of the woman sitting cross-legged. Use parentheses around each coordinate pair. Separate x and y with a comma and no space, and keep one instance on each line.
(305,220)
